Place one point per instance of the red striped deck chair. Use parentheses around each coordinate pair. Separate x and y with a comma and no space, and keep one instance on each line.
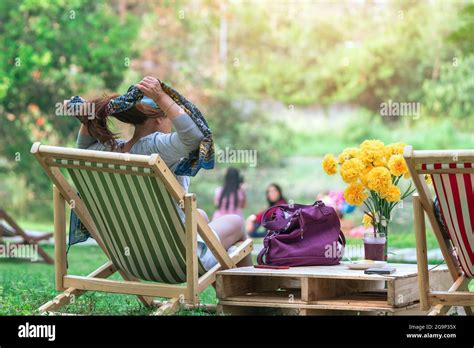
(452,221)
(129,204)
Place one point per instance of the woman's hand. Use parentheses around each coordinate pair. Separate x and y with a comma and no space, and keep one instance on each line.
(151,87)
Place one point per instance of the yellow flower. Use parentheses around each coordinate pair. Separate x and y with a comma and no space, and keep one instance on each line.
(380,162)
(363,174)
(395,149)
(355,194)
(372,143)
(347,154)
(391,193)
(367,220)
(397,165)
(350,170)
(379,179)
(329,164)
(372,152)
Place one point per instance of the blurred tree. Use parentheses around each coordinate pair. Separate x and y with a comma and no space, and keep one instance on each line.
(51,50)
(452,94)
(361,53)
(464,34)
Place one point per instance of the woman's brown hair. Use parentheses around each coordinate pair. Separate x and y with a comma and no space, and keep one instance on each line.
(98,128)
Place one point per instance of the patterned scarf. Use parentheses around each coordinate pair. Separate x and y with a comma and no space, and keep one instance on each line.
(202,157)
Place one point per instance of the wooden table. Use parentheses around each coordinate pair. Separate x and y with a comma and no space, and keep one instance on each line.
(323,290)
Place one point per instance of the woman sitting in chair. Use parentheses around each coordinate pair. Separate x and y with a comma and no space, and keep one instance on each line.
(153,134)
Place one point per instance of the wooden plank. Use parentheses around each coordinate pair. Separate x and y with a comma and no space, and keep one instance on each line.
(71,294)
(443,156)
(343,304)
(317,288)
(123,287)
(60,261)
(376,300)
(168,308)
(284,296)
(227,286)
(451,298)
(402,292)
(337,272)
(421,257)
(47,151)
(192,274)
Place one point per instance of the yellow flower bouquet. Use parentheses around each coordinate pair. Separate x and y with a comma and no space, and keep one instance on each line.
(373,172)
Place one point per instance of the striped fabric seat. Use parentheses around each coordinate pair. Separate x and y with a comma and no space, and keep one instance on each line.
(136,217)
(455,192)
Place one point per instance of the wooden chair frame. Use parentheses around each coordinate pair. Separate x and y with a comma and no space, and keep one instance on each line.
(458,294)
(74,286)
(27,240)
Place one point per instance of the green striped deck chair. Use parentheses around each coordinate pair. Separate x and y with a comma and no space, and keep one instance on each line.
(133,207)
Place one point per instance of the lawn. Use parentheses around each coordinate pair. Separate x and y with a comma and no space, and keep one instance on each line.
(26,286)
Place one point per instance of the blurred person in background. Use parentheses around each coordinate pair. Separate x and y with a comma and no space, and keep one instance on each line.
(231,197)
(274,196)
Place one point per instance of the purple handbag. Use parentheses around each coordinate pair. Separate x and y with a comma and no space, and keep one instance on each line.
(302,235)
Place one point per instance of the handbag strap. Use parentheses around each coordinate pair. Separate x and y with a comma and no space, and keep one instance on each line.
(276,224)
(263,252)
(342,238)
(294,210)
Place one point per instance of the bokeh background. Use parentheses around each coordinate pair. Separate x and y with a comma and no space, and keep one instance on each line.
(293,80)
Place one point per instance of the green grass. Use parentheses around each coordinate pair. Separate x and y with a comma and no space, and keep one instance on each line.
(25,286)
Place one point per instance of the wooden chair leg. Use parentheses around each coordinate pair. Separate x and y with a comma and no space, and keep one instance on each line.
(439,310)
(465,287)
(168,308)
(60,263)
(192,275)
(71,294)
(421,252)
